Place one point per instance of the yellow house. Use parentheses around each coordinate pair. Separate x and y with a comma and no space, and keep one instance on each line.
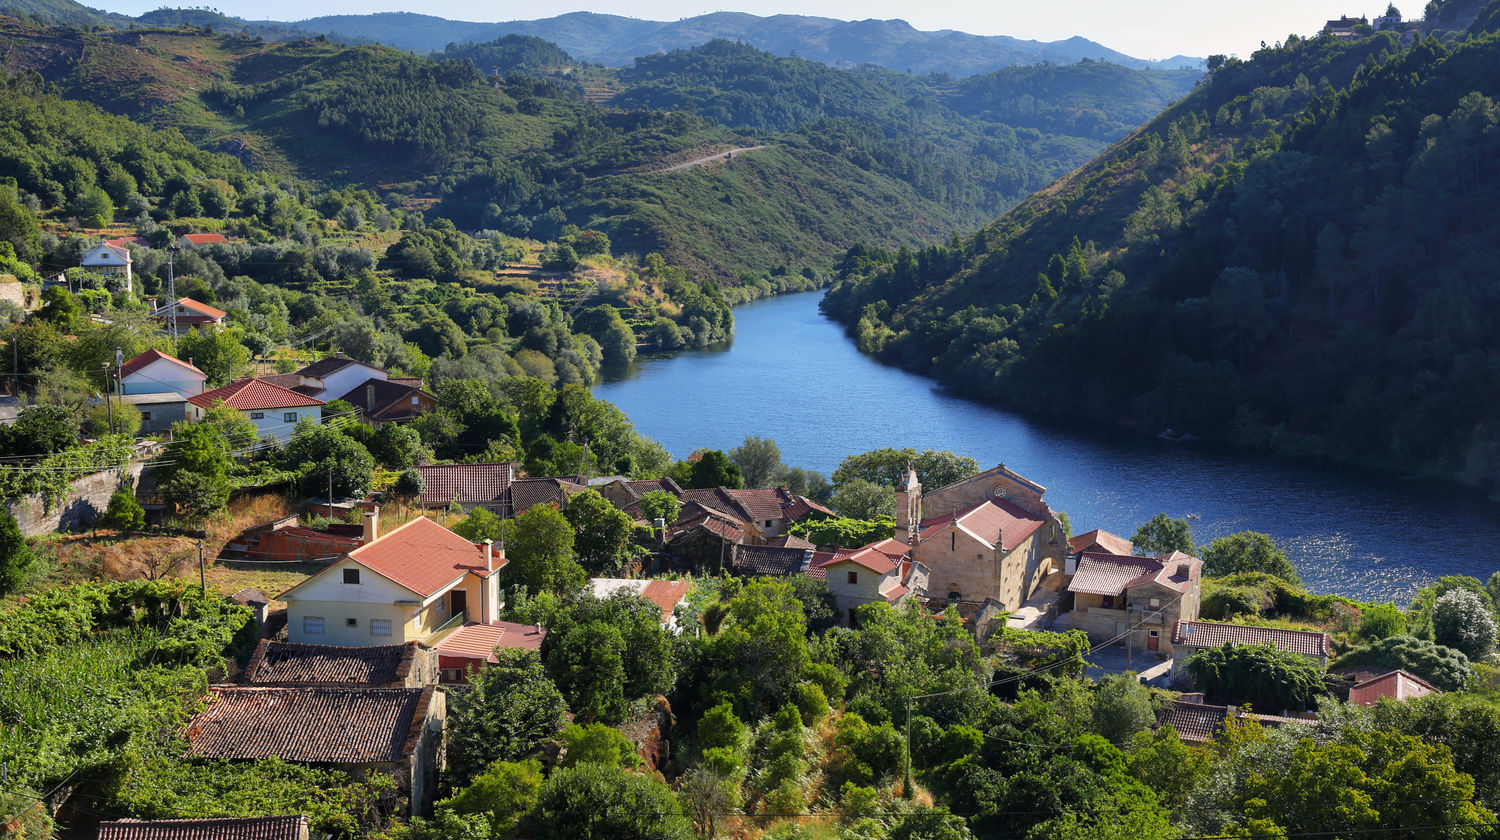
(411,585)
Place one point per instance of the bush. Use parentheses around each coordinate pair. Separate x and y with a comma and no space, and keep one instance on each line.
(599,744)
(124,512)
(1446,668)
(811,702)
(1380,621)
(1268,679)
(1461,620)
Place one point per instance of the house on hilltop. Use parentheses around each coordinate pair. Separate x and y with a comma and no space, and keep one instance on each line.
(189,314)
(1136,601)
(881,571)
(413,584)
(109,258)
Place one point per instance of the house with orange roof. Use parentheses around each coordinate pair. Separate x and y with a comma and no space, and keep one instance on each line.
(189,314)
(665,594)
(159,386)
(1099,541)
(880,571)
(413,584)
(990,536)
(195,240)
(1396,685)
(274,410)
(109,258)
(1133,600)
(473,646)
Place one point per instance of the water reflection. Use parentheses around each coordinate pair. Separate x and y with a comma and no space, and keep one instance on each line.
(793,376)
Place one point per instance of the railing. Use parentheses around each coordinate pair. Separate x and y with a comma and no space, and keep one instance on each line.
(456,621)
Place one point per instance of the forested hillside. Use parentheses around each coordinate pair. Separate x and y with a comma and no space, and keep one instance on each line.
(525,154)
(1299,257)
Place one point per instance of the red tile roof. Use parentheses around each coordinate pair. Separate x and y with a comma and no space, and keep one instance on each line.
(468,483)
(138,362)
(423,556)
(205,238)
(525,493)
(800,507)
(118,249)
(868,557)
(1198,722)
(1207,634)
(719,499)
(232,828)
(1109,574)
(666,594)
(197,306)
(309,724)
(1396,685)
(759,560)
(252,394)
(1100,541)
(761,504)
(996,521)
(478,641)
(286,663)
(789,541)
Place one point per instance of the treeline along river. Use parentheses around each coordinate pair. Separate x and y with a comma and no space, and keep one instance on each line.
(793,376)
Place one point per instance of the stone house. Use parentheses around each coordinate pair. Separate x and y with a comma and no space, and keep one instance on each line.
(470,485)
(395,731)
(1189,637)
(993,537)
(881,571)
(1134,601)
(414,584)
(1397,685)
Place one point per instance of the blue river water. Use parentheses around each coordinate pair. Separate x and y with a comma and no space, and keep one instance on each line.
(792,375)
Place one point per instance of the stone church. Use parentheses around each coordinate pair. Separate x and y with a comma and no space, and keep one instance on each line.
(987,537)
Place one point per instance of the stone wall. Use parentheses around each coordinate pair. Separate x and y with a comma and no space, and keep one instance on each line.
(87,499)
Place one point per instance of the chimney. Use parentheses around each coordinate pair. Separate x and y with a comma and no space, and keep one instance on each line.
(372,525)
(489,555)
(1184,570)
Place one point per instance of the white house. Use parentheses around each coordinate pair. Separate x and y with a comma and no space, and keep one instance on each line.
(336,376)
(414,584)
(275,410)
(109,259)
(666,594)
(159,386)
(188,314)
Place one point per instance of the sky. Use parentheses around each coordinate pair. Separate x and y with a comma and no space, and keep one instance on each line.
(1151,29)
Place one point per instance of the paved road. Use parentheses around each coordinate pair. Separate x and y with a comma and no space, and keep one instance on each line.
(700,161)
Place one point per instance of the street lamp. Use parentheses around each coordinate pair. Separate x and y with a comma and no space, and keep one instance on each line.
(108,406)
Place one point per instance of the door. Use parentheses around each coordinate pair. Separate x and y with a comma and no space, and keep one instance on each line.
(458,601)
(1153,640)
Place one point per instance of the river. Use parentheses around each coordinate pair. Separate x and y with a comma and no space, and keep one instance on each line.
(793,376)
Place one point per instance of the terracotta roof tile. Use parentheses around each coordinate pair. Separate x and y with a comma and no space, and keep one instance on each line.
(308,724)
(527,492)
(205,238)
(1207,634)
(232,828)
(1099,540)
(666,594)
(422,556)
(252,394)
(286,663)
(757,560)
(789,541)
(1110,574)
(800,507)
(1194,722)
(142,360)
(195,305)
(468,483)
(478,641)
(719,499)
(996,521)
(381,399)
(761,504)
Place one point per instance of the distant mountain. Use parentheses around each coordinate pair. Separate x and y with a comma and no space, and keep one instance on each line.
(616,41)
(65,12)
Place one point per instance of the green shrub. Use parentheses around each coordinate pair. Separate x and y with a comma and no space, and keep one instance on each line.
(1445,668)
(811,702)
(124,512)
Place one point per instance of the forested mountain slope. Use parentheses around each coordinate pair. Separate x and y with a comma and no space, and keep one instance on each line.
(617,41)
(1299,256)
(525,154)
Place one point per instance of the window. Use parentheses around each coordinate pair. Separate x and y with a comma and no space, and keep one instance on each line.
(257,415)
(351,576)
(289,417)
(312,624)
(1154,604)
(854,577)
(351,622)
(768,523)
(146,416)
(453,675)
(380,627)
(413,400)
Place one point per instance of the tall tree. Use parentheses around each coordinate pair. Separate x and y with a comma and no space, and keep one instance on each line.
(16,558)
(1163,535)
(1247,551)
(759,460)
(601,533)
(509,709)
(539,550)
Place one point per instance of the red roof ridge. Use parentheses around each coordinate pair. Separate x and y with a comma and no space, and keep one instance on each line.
(141,360)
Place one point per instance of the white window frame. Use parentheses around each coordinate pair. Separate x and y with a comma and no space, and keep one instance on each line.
(312,625)
(377,625)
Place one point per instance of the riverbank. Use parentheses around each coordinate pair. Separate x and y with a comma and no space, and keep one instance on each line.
(793,376)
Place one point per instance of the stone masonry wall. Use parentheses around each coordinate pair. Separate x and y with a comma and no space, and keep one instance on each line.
(87,499)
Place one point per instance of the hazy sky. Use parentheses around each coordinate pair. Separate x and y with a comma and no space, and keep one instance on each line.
(1142,28)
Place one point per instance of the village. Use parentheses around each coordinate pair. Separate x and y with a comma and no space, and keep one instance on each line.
(358,664)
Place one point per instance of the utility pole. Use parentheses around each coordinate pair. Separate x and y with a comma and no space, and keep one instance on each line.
(171,291)
(109,407)
(202,576)
(906,791)
(330,489)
